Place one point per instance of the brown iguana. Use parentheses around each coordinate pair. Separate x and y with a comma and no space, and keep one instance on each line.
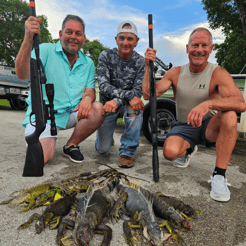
(58,208)
(89,215)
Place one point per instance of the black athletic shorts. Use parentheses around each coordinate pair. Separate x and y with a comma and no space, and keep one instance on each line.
(194,135)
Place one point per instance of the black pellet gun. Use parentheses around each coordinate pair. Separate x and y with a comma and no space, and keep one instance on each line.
(160,63)
(155,161)
(34,163)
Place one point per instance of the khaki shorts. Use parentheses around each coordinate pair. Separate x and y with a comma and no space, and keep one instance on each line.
(72,121)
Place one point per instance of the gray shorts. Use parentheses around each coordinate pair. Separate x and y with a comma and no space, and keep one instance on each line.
(72,121)
(194,135)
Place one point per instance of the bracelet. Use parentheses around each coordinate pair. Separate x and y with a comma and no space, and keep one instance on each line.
(88,98)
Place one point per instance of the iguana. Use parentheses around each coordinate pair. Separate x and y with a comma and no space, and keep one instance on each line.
(89,215)
(58,208)
(143,207)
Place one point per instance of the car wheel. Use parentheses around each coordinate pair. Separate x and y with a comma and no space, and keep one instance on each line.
(17,104)
(165,115)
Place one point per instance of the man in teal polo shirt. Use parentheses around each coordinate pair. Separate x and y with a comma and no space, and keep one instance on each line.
(73,76)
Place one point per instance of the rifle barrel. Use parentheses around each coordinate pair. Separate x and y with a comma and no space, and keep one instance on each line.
(35,38)
(155,161)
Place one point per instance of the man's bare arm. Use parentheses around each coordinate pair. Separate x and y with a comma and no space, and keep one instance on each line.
(90,93)
(84,107)
(22,62)
(161,86)
(231,98)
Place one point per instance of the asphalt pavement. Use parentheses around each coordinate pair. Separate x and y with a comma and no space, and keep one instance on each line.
(217,224)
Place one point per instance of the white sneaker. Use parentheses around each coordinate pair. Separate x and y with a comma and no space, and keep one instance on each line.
(220,191)
(185,160)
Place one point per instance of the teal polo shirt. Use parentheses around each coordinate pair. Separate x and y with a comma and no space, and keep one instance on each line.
(69,85)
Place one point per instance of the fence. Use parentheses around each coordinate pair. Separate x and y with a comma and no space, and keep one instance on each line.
(242,125)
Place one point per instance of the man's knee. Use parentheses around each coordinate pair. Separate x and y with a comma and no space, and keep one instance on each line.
(97,110)
(175,147)
(103,150)
(170,152)
(132,115)
(130,112)
(97,107)
(228,119)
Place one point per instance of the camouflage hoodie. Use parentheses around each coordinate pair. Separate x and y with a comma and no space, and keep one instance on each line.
(120,79)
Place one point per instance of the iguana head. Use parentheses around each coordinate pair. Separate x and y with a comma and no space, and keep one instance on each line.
(39,226)
(153,233)
(84,234)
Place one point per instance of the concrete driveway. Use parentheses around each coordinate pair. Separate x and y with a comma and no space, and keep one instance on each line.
(218,223)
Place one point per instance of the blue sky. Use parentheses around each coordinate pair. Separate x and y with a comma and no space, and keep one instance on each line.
(173,22)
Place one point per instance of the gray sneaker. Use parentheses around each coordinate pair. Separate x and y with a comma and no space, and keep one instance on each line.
(185,160)
(220,191)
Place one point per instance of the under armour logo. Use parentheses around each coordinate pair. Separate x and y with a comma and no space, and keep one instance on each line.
(201,86)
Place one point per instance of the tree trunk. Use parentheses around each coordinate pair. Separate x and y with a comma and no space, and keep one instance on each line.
(241,5)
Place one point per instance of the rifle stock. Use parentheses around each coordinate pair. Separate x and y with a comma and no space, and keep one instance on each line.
(155,160)
(34,157)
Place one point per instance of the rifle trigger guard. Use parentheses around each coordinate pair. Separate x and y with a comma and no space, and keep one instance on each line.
(30,119)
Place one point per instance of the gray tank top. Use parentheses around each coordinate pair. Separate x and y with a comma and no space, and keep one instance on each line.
(193,89)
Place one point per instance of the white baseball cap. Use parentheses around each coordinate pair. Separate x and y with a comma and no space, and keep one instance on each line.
(132,30)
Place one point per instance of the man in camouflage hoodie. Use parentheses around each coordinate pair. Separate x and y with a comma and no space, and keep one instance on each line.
(120,75)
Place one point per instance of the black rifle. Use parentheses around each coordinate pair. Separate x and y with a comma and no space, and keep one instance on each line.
(160,63)
(155,161)
(34,163)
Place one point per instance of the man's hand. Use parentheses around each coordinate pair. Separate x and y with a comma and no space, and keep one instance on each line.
(150,55)
(84,109)
(32,26)
(137,103)
(196,114)
(110,106)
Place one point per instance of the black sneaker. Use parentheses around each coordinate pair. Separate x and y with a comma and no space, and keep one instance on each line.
(73,153)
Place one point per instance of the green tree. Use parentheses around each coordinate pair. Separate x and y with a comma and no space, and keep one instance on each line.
(231,54)
(92,49)
(241,4)
(55,40)
(45,36)
(13,14)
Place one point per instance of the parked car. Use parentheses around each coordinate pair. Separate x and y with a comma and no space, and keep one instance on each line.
(13,89)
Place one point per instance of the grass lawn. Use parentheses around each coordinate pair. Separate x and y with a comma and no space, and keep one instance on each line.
(4,103)
(240,83)
(239,137)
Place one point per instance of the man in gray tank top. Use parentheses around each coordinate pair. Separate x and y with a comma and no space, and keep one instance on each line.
(207,100)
